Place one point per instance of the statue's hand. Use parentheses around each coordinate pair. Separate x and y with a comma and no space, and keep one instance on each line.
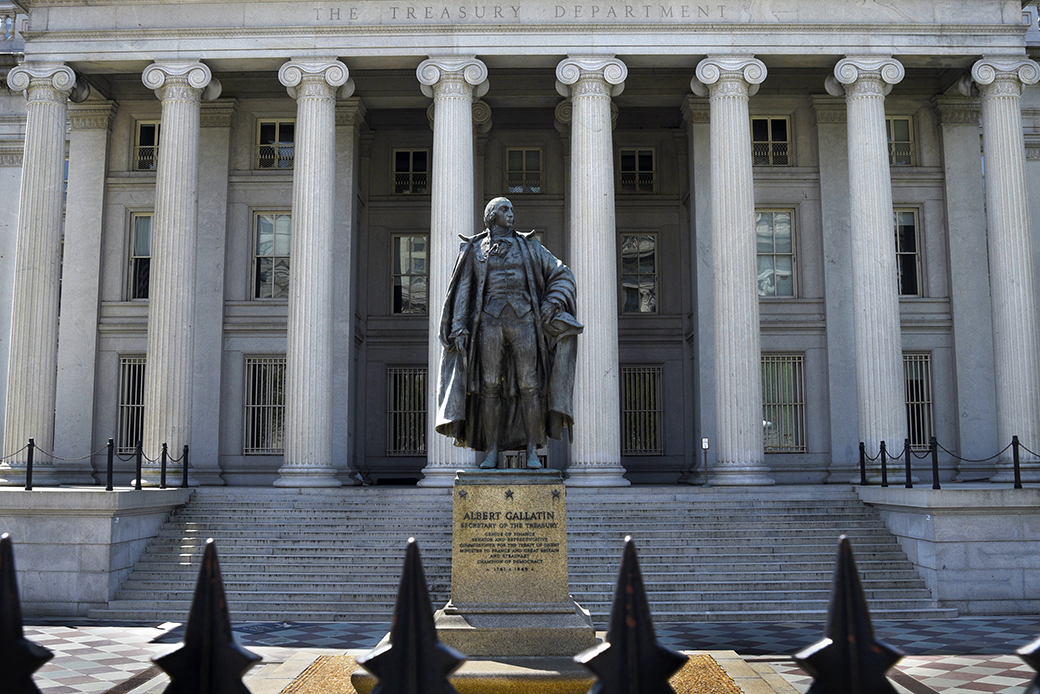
(459,340)
(549,311)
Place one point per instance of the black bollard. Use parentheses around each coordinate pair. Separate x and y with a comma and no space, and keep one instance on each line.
(108,466)
(30,454)
(162,467)
(1015,460)
(909,454)
(184,468)
(884,465)
(862,463)
(933,445)
(139,454)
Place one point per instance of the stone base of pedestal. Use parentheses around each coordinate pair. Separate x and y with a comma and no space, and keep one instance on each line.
(521,630)
(558,675)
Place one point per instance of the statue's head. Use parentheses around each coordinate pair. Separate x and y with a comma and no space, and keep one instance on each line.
(492,209)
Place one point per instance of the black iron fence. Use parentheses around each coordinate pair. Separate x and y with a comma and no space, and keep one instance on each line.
(908,454)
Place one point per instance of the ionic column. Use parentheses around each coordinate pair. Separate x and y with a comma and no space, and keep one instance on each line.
(308,378)
(171,307)
(729,81)
(453,82)
(880,386)
(32,363)
(590,82)
(1016,338)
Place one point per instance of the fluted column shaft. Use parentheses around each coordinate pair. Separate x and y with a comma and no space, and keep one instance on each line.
(1016,338)
(32,363)
(880,387)
(171,309)
(738,360)
(308,377)
(453,82)
(591,81)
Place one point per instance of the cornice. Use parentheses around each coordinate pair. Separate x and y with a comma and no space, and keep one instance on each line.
(11,152)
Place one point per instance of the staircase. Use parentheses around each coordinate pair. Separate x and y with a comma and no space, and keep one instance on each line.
(720,554)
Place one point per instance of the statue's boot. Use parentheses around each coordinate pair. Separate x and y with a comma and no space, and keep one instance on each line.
(492,415)
(533,429)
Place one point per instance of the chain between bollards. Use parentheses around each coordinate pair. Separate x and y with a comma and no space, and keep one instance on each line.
(29,464)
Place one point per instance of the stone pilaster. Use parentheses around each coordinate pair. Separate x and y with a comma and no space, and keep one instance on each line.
(590,82)
(729,81)
(32,365)
(453,82)
(81,286)
(171,307)
(308,403)
(880,387)
(1016,339)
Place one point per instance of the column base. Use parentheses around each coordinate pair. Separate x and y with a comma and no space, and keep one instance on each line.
(439,476)
(1029,472)
(307,477)
(750,477)
(598,476)
(15,477)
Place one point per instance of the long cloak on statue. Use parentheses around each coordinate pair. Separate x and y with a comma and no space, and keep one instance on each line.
(459,400)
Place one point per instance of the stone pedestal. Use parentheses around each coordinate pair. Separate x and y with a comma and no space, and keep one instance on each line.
(509,591)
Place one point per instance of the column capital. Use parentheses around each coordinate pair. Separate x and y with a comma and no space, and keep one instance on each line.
(605,71)
(481,116)
(1004,76)
(870,73)
(460,69)
(324,73)
(725,73)
(56,79)
(957,110)
(176,75)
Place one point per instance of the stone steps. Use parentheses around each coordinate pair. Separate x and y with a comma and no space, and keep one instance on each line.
(706,555)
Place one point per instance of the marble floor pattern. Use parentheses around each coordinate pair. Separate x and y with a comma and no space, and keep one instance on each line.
(950,656)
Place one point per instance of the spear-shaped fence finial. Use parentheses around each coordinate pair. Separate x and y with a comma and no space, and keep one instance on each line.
(19,657)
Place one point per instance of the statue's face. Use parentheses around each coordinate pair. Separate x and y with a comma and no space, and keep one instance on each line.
(504,215)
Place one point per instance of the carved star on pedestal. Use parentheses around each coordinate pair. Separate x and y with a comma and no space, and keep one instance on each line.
(19,657)
(462,492)
(848,660)
(509,493)
(631,659)
(1031,655)
(209,660)
(414,661)
(556,493)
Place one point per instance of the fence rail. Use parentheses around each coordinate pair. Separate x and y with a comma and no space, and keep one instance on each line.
(907,453)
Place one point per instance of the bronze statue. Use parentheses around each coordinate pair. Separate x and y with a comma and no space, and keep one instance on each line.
(509,336)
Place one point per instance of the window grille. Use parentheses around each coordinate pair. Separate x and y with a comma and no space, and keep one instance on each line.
(637,171)
(406,410)
(273,237)
(783,403)
(908,260)
(774,239)
(641,410)
(639,273)
(146,148)
(411,171)
(524,170)
(131,403)
(275,146)
(410,274)
(917,369)
(900,141)
(140,255)
(770,142)
(264,430)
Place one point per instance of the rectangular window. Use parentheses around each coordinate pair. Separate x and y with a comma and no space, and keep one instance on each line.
(410,274)
(131,403)
(637,170)
(783,403)
(411,171)
(146,146)
(524,170)
(639,273)
(900,141)
(771,141)
(275,144)
(273,234)
(908,260)
(140,255)
(406,410)
(774,238)
(917,368)
(642,402)
(264,428)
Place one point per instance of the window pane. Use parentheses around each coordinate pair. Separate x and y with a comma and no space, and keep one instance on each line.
(282,237)
(784,274)
(628,160)
(534,160)
(419,161)
(646,160)
(766,277)
(402,162)
(264,235)
(759,129)
(900,130)
(516,160)
(764,232)
(779,129)
(142,235)
(907,274)
(287,132)
(148,135)
(139,280)
(782,232)
(268,133)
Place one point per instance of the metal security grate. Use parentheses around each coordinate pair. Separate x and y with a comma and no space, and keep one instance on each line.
(917,369)
(783,403)
(131,403)
(406,410)
(264,430)
(641,410)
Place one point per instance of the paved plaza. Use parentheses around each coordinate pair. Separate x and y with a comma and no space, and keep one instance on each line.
(950,656)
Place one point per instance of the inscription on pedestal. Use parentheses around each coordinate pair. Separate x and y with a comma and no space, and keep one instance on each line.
(510,538)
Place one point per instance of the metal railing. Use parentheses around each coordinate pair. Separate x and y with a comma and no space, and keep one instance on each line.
(908,453)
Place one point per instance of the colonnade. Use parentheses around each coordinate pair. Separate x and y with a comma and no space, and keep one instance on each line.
(454,83)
